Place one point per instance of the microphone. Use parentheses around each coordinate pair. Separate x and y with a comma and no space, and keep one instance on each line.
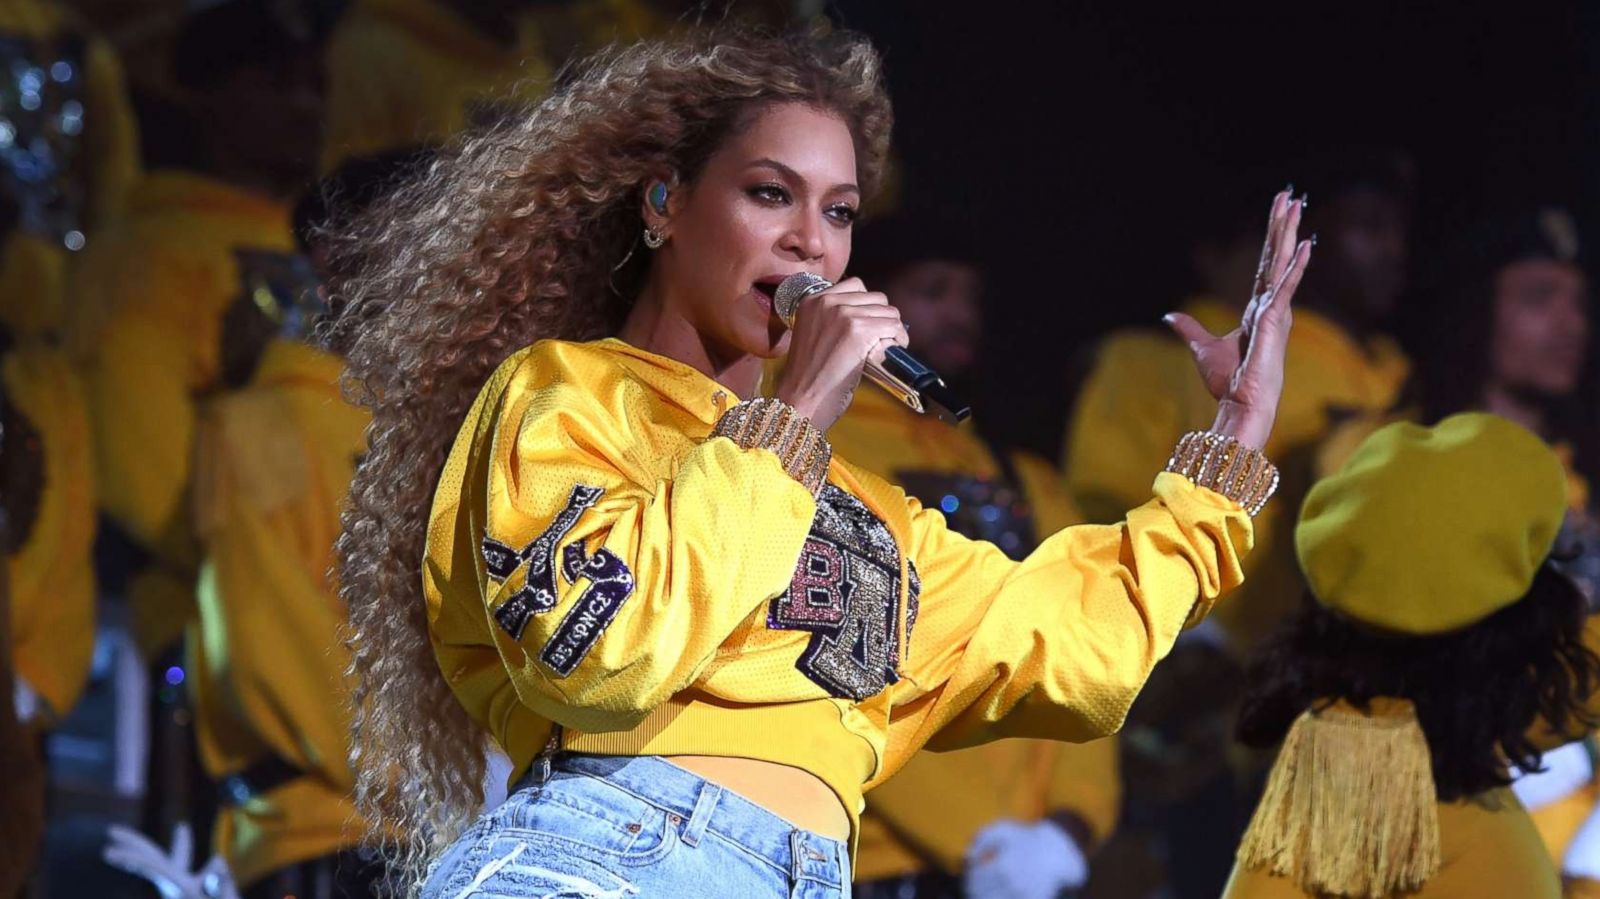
(901,373)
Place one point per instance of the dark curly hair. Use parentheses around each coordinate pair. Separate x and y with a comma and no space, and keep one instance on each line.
(1479,692)
(512,236)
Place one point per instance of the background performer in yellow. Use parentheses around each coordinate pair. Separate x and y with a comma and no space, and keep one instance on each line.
(1037,807)
(1440,636)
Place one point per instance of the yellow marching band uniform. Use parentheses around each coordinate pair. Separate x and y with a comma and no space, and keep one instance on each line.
(926,816)
(276,460)
(1392,542)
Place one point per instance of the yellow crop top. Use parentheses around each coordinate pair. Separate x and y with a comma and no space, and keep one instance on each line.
(595,561)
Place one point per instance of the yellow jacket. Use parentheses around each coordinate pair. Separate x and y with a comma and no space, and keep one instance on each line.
(931,809)
(594,560)
(1488,848)
(52,577)
(1143,394)
(32,265)
(150,295)
(267,672)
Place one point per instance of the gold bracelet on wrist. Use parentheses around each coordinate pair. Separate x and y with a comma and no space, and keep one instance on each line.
(1226,466)
(771,424)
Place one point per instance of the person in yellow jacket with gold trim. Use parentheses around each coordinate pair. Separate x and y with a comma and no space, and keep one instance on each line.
(73,154)
(1440,635)
(699,637)
(921,823)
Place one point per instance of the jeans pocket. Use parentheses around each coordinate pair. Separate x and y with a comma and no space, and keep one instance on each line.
(527,866)
(641,835)
(595,818)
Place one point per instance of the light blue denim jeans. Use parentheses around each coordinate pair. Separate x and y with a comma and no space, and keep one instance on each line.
(603,827)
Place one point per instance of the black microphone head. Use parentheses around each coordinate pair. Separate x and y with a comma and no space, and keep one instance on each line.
(786,299)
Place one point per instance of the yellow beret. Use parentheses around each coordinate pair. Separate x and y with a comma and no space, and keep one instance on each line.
(1427,530)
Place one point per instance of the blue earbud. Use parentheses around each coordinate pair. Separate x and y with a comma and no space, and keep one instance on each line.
(658,197)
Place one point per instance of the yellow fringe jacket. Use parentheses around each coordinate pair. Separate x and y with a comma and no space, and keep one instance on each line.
(593,560)
(1488,848)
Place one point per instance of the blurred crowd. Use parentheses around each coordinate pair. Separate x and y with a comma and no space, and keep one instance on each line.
(176,447)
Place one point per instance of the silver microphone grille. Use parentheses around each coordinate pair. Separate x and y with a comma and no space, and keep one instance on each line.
(796,287)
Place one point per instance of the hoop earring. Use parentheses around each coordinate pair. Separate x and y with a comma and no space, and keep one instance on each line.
(653,238)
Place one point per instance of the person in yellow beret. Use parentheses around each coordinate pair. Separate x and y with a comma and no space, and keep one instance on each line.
(1519,295)
(1440,633)
(993,802)
(71,154)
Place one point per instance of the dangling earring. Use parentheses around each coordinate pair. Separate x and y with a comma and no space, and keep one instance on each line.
(653,238)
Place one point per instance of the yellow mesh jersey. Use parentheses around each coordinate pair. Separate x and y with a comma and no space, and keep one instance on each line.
(52,577)
(1488,848)
(1143,394)
(594,560)
(150,294)
(267,669)
(929,812)
(31,266)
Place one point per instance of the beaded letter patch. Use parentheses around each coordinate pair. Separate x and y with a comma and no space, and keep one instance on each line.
(610,583)
(538,594)
(846,593)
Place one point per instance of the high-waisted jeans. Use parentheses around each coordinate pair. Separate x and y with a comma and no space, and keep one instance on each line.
(602,827)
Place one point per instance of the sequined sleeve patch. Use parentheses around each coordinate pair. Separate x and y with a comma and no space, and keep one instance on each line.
(846,594)
(610,584)
(538,593)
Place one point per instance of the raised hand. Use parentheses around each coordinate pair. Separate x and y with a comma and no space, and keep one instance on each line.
(1243,368)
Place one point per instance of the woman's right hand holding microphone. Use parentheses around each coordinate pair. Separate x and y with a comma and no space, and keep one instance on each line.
(836,332)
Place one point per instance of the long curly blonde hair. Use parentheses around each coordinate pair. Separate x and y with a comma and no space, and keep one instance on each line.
(512,236)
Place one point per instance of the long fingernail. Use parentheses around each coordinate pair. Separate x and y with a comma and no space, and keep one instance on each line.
(1313,239)
(1290,189)
(1170,317)
(1305,200)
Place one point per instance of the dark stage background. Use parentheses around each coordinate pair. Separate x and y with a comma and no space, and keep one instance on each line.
(1078,142)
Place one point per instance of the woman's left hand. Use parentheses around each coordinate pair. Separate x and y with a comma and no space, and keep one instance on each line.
(1243,369)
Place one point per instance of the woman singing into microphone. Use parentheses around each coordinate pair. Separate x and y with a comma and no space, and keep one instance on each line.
(700,638)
